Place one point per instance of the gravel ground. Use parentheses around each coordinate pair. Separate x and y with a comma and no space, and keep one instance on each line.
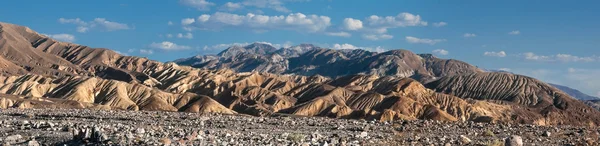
(98,127)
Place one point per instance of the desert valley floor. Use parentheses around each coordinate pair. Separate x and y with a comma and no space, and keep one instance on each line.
(75,127)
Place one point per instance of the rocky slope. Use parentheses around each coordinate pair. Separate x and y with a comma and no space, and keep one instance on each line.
(538,102)
(39,72)
(310,60)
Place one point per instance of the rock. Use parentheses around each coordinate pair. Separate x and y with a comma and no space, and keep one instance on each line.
(514,140)
(33,142)
(363,134)
(464,139)
(13,138)
(140,131)
(165,141)
(546,134)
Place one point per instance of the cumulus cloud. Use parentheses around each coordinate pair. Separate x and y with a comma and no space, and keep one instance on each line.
(415,40)
(62,37)
(344,46)
(400,20)
(168,46)
(468,35)
(514,32)
(201,5)
(375,37)
(146,52)
(495,54)
(295,21)
(440,24)
(97,23)
(558,58)
(339,34)
(376,27)
(352,24)
(440,52)
(170,23)
(186,35)
(229,6)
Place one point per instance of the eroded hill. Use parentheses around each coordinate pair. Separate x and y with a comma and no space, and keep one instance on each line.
(39,72)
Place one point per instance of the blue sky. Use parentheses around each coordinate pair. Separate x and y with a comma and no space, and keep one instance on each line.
(555,41)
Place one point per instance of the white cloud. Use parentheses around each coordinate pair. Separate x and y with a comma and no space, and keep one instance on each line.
(352,24)
(97,23)
(201,5)
(169,46)
(572,58)
(495,54)
(170,23)
(169,35)
(375,37)
(468,35)
(440,24)
(400,20)
(505,69)
(375,27)
(514,32)
(340,34)
(229,6)
(187,21)
(146,52)
(351,47)
(186,35)
(558,58)
(415,40)
(295,21)
(344,46)
(441,52)
(62,37)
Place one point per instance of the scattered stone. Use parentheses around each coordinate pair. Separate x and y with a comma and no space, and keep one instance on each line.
(83,127)
(546,134)
(33,143)
(464,139)
(13,138)
(514,140)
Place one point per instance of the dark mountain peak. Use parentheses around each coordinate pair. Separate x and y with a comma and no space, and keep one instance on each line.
(254,48)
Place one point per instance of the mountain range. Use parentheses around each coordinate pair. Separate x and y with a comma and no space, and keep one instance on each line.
(39,72)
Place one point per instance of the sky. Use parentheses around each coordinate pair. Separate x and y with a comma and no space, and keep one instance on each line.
(553,40)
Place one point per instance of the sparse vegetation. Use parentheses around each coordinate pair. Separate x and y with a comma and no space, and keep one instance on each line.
(495,142)
(296,137)
(489,133)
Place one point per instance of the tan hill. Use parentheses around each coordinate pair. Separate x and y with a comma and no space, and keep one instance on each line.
(550,105)
(39,72)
